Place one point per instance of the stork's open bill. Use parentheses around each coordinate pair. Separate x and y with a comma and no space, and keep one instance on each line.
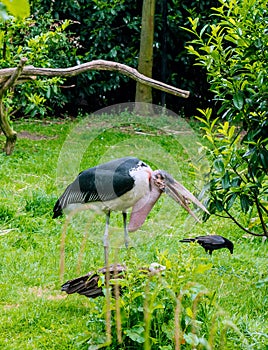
(121,184)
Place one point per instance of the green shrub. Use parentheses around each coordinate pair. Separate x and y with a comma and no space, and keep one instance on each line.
(37,40)
(234,52)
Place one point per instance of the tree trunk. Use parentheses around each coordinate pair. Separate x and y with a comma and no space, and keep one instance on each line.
(164,49)
(145,66)
(10,134)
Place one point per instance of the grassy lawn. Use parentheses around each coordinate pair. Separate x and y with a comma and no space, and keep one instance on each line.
(222,301)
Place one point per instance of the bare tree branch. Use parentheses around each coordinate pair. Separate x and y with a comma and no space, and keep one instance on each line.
(97,65)
(11,76)
(241,226)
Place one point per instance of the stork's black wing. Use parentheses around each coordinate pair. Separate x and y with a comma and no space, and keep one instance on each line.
(101,183)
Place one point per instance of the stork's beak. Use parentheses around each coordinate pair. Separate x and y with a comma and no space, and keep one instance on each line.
(181,195)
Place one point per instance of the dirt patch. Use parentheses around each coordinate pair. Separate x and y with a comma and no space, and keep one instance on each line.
(46,293)
(35,136)
(11,306)
(131,129)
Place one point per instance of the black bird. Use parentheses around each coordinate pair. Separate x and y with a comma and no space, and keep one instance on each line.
(90,286)
(121,184)
(211,242)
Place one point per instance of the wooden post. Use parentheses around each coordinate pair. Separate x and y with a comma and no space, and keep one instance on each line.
(145,66)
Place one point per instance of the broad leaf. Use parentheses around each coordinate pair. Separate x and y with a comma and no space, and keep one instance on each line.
(236,181)
(218,165)
(219,205)
(18,8)
(201,268)
(264,158)
(231,201)
(244,201)
(225,181)
(238,100)
(136,334)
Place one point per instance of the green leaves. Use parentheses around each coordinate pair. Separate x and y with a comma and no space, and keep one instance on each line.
(245,202)
(234,53)
(225,181)
(32,39)
(17,8)
(218,165)
(136,334)
(238,100)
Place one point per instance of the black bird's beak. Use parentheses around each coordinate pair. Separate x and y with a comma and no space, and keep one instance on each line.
(178,193)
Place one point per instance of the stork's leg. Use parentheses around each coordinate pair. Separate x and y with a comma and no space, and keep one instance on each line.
(106,238)
(125,229)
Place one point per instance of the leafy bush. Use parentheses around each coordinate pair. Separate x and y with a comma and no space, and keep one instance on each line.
(159,312)
(111,30)
(234,52)
(105,30)
(37,40)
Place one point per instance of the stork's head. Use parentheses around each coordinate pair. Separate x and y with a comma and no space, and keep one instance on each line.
(166,183)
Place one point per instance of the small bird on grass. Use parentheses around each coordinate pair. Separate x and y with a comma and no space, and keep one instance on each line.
(211,242)
(90,284)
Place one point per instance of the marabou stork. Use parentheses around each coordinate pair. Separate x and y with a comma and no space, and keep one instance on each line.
(118,185)
(211,242)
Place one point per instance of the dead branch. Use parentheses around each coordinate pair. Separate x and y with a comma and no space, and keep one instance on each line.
(97,65)
(11,76)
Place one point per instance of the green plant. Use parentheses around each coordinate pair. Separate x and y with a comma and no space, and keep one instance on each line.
(15,8)
(234,52)
(237,176)
(37,41)
(158,312)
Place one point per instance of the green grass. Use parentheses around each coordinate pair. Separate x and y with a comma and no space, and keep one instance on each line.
(35,314)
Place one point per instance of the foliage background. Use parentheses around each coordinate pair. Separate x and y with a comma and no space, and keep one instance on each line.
(105,30)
